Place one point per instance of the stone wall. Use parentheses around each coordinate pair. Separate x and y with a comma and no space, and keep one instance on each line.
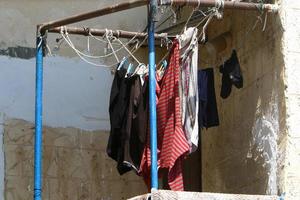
(243,154)
(75,165)
(76,94)
(291,16)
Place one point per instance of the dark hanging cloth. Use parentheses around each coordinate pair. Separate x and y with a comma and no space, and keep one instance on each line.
(208,110)
(128,112)
(232,75)
(136,126)
(118,103)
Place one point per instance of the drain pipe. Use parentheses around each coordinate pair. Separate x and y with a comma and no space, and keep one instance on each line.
(152,94)
(38,118)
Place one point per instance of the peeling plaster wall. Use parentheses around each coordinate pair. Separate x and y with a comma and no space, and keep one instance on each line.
(245,153)
(75,93)
(75,165)
(291,19)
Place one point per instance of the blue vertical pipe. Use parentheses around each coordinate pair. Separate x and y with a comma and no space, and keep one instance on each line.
(38,121)
(152,95)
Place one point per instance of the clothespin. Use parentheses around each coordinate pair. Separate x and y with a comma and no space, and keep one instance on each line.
(129,70)
(122,63)
(165,64)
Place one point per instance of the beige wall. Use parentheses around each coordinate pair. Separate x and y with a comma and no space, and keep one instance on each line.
(76,95)
(246,153)
(291,175)
(254,150)
(75,165)
(241,155)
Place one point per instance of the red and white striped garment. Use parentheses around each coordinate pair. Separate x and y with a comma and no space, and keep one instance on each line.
(172,142)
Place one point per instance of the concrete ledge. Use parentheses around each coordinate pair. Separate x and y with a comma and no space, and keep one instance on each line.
(172,195)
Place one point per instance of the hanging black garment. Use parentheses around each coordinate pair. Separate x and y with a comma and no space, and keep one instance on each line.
(118,104)
(128,120)
(208,110)
(232,75)
(136,126)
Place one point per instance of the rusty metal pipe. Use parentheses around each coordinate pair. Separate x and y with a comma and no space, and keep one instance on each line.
(138,3)
(101,32)
(89,15)
(227,4)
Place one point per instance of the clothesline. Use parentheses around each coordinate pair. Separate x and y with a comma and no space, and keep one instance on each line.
(101,32)
(46,27)
(42,28)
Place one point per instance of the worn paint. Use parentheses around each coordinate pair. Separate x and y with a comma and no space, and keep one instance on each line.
(18,52)
(75,165)
(76,94)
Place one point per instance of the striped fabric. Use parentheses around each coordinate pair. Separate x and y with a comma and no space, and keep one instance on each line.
(172,143)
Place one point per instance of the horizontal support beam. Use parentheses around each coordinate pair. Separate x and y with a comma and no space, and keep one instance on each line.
(227,4)
(101,32)
(138,3)
(89,15)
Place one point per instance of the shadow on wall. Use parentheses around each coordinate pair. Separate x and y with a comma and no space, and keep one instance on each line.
(75,165)
(242,154)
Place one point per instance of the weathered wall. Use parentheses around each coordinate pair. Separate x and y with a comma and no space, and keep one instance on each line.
(291,16)
(243,154)
(75,165)
(76,94)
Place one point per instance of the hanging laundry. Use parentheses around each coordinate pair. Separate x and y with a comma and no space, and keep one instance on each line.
(128,119)
(172,144)
(118,103)
(188,44)
(208,110)
(232,75)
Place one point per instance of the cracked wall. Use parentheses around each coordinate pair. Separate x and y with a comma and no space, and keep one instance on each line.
(75,165)
(76,95)
(246,153)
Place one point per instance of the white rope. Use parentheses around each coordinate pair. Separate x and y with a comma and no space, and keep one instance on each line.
(187,21)
(100,56)
(88,44)
(69,42)
(112,48)
(219,4)
(40,42)
(102,40)
(210,17)
(49,50)
(204,18)
(265,23)
(128,51)
(66,38)
(198,5)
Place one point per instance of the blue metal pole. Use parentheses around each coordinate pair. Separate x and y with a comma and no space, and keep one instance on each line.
(152,95)
(38,121)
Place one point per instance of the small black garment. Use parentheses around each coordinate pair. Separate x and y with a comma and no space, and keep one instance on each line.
(136,125)
(118,103)
(208,110)
(128,120)
(232,75)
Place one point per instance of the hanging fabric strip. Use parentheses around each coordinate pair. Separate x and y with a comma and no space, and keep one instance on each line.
(172,143)
(188,43)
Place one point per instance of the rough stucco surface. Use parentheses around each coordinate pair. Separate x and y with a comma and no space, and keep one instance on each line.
(242,155)
(75,165)
(291,15)
(75,93)
(255,150)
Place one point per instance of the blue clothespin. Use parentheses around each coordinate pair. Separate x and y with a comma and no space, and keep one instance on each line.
(123,62)
(165,64)
(129,70)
